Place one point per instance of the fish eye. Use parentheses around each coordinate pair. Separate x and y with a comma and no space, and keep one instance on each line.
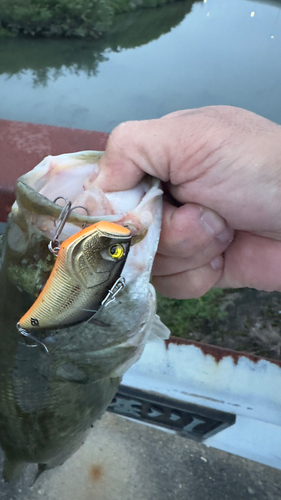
(116,251)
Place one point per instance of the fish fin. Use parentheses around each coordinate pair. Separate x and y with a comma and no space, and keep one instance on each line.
(98,322)
(40,468)
(12,469)
(158,330)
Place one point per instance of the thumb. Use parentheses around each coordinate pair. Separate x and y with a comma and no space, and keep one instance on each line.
(131,152)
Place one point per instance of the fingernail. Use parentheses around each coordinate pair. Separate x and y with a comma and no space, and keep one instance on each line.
(213,223)
(217,263)
(226,236)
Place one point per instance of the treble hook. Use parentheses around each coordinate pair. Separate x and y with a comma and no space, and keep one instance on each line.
(36,341)
(54,244)
(115,289)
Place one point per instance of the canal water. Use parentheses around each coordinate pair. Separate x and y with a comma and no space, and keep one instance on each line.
(154,61)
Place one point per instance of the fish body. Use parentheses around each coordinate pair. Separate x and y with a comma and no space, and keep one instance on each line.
(48,400)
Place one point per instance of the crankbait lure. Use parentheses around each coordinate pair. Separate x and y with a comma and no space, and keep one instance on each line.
(86,276)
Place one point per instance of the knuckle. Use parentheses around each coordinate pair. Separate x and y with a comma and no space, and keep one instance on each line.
(191,284)
(121,131)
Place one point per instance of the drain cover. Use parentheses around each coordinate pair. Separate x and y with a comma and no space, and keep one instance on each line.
(187,419)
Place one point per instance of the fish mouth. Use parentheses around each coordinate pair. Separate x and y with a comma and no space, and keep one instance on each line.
(33,201)
(44,190)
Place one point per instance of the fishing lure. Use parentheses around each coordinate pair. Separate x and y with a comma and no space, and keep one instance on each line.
(86,276)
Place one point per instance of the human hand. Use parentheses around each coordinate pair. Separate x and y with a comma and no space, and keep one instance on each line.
(223,165)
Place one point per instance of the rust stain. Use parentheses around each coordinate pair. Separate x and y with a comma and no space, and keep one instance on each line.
(219,353)
(202,397)
(96,472)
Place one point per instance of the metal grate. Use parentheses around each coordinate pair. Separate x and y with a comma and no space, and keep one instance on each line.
(187,419)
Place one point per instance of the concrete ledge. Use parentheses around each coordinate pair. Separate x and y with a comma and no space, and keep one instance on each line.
(123,460)
(24,145)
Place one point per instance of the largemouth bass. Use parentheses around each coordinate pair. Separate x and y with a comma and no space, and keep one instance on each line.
(50,397)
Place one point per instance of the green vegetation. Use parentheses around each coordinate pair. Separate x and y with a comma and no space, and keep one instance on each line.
(49,58)
(244,319)
(56,17)
(185,317)
(70,18)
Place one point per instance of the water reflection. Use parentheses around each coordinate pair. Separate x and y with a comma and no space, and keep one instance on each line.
(154,61)
(276,3)
(49,59)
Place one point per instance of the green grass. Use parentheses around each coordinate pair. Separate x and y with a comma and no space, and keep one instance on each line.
(184,317)
(241,319)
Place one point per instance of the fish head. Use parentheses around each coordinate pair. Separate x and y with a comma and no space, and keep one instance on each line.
(40,196)
(55,392)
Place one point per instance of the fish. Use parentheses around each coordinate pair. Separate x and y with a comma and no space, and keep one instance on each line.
(49,398)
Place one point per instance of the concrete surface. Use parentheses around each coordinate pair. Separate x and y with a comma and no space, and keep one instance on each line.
(125,460)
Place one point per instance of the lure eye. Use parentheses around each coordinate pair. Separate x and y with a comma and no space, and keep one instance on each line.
(116,251)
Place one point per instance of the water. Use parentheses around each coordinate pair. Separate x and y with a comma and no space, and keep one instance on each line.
(155,61)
